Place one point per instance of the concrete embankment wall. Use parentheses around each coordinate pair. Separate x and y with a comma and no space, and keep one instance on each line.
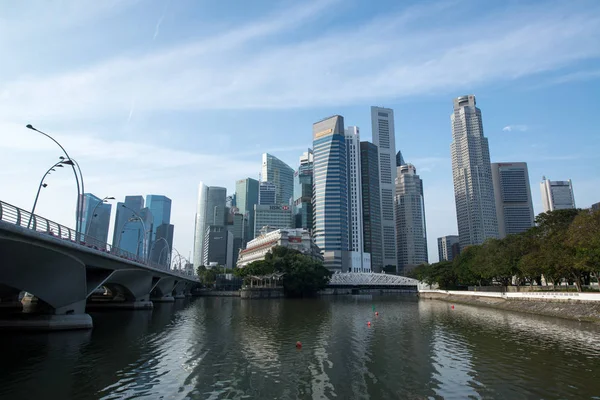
(575,306)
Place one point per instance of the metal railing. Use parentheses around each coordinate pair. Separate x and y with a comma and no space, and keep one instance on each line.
(23,218)
(370,279)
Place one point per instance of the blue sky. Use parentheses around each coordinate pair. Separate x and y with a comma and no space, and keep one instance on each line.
(153,97)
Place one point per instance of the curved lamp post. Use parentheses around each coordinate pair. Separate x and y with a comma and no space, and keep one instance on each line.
(42,184)
(168,248)
(143,228)
(89,223)
(78,209)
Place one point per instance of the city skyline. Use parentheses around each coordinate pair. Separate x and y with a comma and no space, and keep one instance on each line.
(137,134)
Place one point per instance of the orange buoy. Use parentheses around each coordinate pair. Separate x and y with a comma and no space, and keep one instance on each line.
(298,345)
(369,323)
(376,312)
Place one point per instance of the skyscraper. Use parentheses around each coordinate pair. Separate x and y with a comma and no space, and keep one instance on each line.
(303,188)
(371,204)
(330,196)
(410,214)
(246,191)
(273,216)
(399,159)
(281,175)
(382,124)
(161,236)
(122,220)
(514,208)
(358,262)
(210,211)
(217,247)
(448,247)
(472,173)
(266,193)
(96,218)
(135,235)
(557,195)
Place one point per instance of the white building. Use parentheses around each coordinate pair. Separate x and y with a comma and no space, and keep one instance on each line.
(448,247)
(557,195)
(382,125)
(512,193)
(298,239)
(472,173)
(210,210)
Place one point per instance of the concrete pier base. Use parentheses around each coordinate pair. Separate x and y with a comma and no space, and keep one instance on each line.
(45,323)
(164,299)
(179,296)
(120,305)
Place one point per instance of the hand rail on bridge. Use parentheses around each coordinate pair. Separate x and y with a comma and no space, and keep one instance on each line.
(20,217)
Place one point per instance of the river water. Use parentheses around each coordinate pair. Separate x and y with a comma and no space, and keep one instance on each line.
(228,348)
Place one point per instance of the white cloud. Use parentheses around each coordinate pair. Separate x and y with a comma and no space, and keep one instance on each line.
(515,128)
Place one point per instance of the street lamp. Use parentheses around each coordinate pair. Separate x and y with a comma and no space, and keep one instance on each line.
(168,248)
(43,185)
(143,227)
(104,200)
(78,210)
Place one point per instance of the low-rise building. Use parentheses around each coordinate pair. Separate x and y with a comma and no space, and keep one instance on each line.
(297,239)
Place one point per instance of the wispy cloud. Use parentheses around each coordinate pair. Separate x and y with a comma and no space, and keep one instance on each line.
(515,128)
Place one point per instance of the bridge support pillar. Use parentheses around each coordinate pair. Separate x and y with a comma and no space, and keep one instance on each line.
(130,290)
(162,290)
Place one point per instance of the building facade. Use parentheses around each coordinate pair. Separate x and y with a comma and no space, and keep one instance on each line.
(210,210)
(218,247)
(266,193)
(371,204)
(281,175)
(123,215)
(303,188)
(557,195)
(512,193)
(161,236)
(410,219)
(399,159)
(330,195)
(247,192)
(472,174)
(448,247)
(96,219)
(273,216)
(382,124)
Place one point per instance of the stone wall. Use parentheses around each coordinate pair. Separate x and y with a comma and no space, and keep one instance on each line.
(261,293)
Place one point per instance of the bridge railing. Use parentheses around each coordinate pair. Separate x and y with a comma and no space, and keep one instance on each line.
(23,218)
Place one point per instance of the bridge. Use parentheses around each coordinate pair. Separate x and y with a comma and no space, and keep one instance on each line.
(68,272)
(364,281)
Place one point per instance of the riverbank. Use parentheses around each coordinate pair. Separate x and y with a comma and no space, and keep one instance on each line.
(568,307)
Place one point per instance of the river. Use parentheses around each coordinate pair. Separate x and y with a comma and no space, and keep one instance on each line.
(227,348)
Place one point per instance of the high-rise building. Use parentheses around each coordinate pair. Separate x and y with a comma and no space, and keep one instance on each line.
(382,124)
(448,247)
(330,196)
(236,227)
(595,206)
(95,219)
(218,247)
(135,235)
(399,159)
(281,175)
(303,188)
(359,261)
(246,191)
(371,204)
(159,252)
(472,173)
(266,193)
(210,211)
(514,208)
(273,216)
(123,215)
(557,195)
(410,214)
(161,236)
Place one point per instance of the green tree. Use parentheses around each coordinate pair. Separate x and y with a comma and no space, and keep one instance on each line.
(583,237)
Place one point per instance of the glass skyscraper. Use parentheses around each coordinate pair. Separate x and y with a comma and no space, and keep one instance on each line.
(281,175)
(96,218)
(210,211)
(246,191)
(371,204)
(122,217)
(330,199)
(160,207)
(472,173)
(267,193)
(512,192)
(303,191)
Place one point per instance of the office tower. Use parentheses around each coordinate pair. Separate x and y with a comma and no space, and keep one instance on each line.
(399,159)
(95,219)
(210,211)
(358,263)
(230,201)
(273,216)
(122,215)
(236,227)
(266,193)
(448,247)
(303,188)
(557,195)
(514,208)
(330,196)
(472,173)
(218,247)
(246,191)
(371,204)
(281,175)
(161,237)
(136,232)
(410,217)
(382,124)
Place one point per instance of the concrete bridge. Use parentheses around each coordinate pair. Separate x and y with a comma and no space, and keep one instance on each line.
(67,275)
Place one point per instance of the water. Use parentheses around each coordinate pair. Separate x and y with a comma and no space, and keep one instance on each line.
(226,348)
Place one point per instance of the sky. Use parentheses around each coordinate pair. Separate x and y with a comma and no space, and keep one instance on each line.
(153,97)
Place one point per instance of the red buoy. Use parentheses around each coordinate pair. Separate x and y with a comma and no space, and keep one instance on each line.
(298,345)
(369,323)
(376,312)
(453,306)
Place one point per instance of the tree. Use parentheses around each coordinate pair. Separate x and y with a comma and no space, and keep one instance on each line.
(583,237)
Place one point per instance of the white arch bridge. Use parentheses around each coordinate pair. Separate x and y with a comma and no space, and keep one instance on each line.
(371,280)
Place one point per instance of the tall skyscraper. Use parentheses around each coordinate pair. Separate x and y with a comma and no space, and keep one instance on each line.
(210,211)
(410,214)
(303,188)
(448,247)
(267,193)
(330,196)
(218,247)
(273,216)
(472,173)
(96,218)
(122,220)
(358,262)
(135,235)
(371,204)
(160,207)
(399,159)
(281,175)
(514,208)
(236,227)
(557,195)
(246,198)
(382,124)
